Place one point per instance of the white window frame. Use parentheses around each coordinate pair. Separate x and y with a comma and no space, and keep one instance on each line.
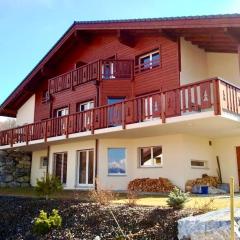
(117,174)
(42,159)
(87,164)
(154,164)
(89,104)
(150,55)
(62,165)
(205,164)
(64,110)
(111,64)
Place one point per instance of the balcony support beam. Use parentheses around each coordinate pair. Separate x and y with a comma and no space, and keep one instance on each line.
(126,38)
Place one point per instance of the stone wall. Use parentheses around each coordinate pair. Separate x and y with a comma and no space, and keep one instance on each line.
(15,168)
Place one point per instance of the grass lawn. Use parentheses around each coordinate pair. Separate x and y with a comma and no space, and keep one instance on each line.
(211,202)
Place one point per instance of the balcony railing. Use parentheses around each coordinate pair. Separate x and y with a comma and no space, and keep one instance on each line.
(209,95)
(98,70)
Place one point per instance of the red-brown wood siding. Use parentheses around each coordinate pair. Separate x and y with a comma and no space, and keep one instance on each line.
(164,77)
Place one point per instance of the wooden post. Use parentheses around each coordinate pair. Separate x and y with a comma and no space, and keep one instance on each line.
(11,140)
(162,108)
(45,132)
(232,233)
(216,97)
(92,115)
(67,127)
(123,116)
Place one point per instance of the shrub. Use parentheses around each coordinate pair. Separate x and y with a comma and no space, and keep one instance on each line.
(103,197)
(43,223)
(131,198)
(177,198)
(48,185)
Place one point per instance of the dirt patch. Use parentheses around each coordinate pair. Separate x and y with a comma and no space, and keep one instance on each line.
(88,220)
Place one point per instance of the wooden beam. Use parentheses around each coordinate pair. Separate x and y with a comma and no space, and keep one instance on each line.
(126,38)
(169,34)
(239,57)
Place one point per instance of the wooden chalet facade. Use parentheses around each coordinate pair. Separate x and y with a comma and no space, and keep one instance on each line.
(114,99)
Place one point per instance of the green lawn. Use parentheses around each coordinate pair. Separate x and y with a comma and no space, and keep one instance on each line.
(211,202)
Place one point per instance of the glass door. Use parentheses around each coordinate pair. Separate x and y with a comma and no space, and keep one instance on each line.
(60,166)
(85,175)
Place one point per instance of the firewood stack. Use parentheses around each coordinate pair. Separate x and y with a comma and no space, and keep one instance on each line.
(162,185)
(205,180)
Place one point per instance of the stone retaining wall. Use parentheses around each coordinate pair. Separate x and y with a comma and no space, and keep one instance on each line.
(15,168)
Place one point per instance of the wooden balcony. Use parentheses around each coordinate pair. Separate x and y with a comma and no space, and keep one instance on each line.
(95,71)
(213,95)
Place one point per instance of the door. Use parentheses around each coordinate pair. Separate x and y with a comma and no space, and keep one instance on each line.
(87,116)
(60,166)
(85,174)
(114,111)
(238,162)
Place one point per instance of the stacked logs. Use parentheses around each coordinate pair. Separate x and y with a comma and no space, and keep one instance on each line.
(162,185)
(205,180)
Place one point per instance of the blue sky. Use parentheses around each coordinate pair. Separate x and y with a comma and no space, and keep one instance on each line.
(29,28)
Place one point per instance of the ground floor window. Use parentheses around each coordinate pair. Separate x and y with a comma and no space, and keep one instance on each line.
(150,156)
(85,173)
(199,164)
(116,161)
(60,166)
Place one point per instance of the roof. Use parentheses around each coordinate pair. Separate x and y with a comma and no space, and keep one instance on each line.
(180,26)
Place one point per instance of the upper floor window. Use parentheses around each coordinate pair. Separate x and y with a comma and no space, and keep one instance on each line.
(150,156)
(148,61)
(85,106)
(62,112)
(45,96)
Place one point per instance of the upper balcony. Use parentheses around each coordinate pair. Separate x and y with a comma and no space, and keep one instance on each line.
(95,71)
(205,98)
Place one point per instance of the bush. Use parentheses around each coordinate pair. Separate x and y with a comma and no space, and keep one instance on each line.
(48,185)
(177,198)
(131,198)
(43,223)
(103,197)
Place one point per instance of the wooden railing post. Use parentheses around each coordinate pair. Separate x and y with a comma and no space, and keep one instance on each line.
(27,134)
(45,132)
(123,116)
(162,99)
(216,97)
(11,140)
(92,121)
(67,127)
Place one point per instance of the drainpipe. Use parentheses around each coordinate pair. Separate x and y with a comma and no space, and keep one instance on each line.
(48,155)
(96,164)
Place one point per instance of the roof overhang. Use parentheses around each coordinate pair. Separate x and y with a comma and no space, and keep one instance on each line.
(214,33)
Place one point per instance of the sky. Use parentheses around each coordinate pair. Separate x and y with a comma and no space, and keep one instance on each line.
(29,28)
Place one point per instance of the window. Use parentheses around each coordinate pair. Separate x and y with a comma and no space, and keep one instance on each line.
(114,112)
(85,106)
(43,162)
(199,164)
(150,156)
(45,96)
(60,166)
(116,161)
(149,60)
(62,112)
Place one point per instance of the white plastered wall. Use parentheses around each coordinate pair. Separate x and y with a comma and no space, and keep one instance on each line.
(178,150)
(36,171)
(225,149)
(71,149)
(197,65)
(25,113)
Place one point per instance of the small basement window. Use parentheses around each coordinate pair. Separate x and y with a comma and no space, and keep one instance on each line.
(148,61)
(199,164)
(150,156)
(43,162)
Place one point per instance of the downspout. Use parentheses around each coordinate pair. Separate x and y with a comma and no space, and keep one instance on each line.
(96,164)
(48,155)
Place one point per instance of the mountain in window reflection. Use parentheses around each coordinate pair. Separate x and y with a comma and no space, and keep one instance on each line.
(116,170)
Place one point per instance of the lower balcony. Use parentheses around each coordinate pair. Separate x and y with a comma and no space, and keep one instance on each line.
(211,97)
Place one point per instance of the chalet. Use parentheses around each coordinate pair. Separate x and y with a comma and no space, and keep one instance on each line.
(124,99)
